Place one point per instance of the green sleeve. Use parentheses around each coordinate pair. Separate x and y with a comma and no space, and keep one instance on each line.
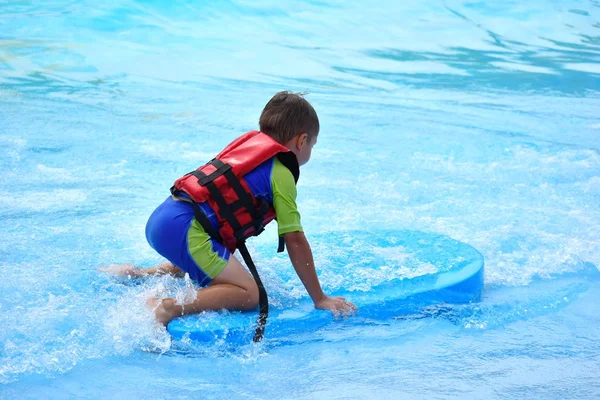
(284,199)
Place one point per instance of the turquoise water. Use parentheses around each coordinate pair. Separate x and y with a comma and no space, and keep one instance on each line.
(476,120)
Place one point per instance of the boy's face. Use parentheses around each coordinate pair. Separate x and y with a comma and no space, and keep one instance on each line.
(305,148)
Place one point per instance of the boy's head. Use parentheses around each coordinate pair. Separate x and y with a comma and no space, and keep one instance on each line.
(292,121)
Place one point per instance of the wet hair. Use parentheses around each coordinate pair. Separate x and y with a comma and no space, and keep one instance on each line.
(288,114)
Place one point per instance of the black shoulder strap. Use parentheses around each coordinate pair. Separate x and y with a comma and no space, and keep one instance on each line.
(291,162)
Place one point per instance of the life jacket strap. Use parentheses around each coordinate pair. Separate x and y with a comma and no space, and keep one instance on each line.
(198,214)
(228,210)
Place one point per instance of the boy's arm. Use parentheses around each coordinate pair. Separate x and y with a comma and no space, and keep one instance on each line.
(302,259)
(288,221)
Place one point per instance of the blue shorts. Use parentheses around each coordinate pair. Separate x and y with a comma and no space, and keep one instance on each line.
(175,234)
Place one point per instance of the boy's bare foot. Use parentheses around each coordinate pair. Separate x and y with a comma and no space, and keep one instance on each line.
(165,310)
(122,270)
(132,271)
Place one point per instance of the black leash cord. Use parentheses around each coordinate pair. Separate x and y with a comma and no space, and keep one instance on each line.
(263,300)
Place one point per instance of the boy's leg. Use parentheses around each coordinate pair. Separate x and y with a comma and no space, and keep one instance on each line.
(125,270)
(233,289)
(164,268)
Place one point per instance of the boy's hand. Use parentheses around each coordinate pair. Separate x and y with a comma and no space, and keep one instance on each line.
(337,305)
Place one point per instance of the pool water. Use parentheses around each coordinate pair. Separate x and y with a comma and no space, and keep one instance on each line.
(475,120)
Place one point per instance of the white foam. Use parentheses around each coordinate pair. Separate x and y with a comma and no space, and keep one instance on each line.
(583,67)
(57,199)
(515,66)
(131,325)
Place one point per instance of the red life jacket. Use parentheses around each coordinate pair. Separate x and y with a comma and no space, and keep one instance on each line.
(221,183)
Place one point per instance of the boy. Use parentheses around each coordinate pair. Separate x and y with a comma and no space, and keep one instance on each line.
(215,208)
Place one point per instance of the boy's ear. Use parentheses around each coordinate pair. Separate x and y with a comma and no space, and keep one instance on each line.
(302,140)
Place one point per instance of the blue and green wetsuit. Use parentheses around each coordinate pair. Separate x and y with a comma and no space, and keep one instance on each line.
(174,233)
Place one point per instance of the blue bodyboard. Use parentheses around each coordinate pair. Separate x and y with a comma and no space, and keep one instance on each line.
(385,273)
